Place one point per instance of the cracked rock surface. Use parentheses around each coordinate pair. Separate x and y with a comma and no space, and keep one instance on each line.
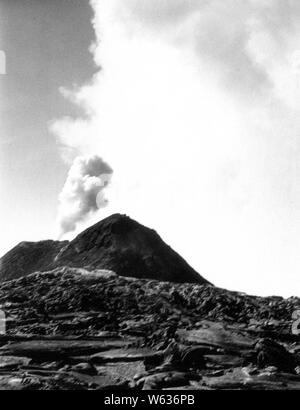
(73,328)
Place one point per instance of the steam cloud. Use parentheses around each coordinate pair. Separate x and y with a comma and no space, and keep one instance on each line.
(82,193)
(196,109)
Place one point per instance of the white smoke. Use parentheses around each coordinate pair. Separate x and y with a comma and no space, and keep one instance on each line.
(196,108)
(82,193)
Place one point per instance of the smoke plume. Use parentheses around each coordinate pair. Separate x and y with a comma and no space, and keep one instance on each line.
(82,193)
(196,109)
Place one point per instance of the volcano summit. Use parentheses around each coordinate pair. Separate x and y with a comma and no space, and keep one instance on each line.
(116,243)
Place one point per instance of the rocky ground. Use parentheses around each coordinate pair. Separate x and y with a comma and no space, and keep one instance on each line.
(71,328)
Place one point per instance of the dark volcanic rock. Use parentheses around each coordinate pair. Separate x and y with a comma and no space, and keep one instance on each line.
(116,243)
(128,248)
(270,353)
(73,328)
(110,310)
(29,257)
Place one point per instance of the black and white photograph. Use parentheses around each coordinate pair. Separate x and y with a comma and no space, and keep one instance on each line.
(149,197)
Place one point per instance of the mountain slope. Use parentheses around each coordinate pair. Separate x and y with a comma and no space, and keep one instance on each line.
(116,243)
(28,257)
(128,248)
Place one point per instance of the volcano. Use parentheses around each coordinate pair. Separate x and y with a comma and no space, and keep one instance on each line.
(104,311)
(116,243)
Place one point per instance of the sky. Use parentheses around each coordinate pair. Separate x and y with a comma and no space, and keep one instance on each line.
(184,114)
(47,47)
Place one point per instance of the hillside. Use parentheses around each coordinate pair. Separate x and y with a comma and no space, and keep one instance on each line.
(28,257)
(116,243)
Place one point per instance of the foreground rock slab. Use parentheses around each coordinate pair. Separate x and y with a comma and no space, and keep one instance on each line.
(80,329)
